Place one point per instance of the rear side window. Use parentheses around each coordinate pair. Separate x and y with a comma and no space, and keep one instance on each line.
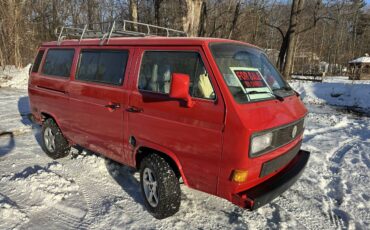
(36,65)
(158,66)
(58,62)
(102,66)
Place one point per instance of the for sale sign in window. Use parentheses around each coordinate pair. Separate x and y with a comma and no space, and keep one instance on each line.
(252,83)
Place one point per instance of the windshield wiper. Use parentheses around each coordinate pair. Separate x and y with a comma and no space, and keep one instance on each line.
(287,88)
(283,88)
(280,98)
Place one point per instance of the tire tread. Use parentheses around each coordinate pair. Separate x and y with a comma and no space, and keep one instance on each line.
(62,147)
(168,185)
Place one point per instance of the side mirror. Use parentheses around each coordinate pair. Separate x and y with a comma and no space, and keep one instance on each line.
(180,88)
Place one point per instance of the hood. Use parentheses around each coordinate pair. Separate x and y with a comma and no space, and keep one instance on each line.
(265,115)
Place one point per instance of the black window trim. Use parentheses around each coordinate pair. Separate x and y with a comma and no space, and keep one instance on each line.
(41,61)
(99,82)
(58,76)
(214,100)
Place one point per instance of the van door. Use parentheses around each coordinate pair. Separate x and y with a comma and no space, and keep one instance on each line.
(194,134)
(97,96)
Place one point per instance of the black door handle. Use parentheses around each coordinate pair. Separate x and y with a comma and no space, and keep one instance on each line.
(133,109)
(113,106)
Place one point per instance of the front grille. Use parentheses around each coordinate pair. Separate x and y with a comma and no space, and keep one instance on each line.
(282,136)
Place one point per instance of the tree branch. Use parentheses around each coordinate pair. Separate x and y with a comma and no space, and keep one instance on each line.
(316,19)
(275,27)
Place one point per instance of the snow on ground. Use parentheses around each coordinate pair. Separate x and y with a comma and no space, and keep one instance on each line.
(338,91)
(87,191)
(10,76)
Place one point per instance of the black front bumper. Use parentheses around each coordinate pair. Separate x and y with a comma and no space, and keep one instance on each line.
(273,187)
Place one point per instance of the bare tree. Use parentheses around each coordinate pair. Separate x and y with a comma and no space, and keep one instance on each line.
(235,19)
(12,21)
(203,20)
(333,30)
(290,39)
(191,21)
(92,15)
(133,13)
(157,7)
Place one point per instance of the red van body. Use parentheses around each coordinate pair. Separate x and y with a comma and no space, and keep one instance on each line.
(207,143)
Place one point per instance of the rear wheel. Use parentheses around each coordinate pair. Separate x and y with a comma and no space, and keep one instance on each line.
(160,187)
(54,144)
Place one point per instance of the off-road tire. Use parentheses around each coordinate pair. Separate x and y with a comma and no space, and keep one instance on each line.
(62,147)
(168,187)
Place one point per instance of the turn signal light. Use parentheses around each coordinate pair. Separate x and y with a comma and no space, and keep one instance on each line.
(239,176)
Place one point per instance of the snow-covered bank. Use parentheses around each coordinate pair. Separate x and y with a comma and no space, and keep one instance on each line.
(13,77)
(335,91)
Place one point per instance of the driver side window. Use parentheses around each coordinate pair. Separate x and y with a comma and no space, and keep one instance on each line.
(158,66)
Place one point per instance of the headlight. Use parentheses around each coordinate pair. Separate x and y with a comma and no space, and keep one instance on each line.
(261,142)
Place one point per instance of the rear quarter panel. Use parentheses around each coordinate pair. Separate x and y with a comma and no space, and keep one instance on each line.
(49,95)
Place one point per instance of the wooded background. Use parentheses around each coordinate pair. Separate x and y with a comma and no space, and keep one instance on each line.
(298,35)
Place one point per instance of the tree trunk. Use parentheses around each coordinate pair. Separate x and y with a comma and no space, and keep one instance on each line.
(297,7)
(90,13)
(74,12)
(235,20)
(55,14)
(5,50)
(2,61)
(157,7)
(282,52)
(18,6)
(255,31)
(191,21)
(203,20)
(133,13)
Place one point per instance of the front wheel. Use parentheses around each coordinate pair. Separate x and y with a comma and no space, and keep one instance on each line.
(54,144)
(159,186)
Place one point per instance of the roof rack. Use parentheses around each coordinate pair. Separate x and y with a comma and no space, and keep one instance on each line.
(106,30)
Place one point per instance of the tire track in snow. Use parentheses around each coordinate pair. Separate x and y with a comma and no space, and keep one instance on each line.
(68,163)
(60,220)
(40,202)
(335,190)
(92,196)
(329,206)
(64,217)
(365,159)
(41,215)
(89,205)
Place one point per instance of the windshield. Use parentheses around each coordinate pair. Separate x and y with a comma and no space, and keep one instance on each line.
(248,73)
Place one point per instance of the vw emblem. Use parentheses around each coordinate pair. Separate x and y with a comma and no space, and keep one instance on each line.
(294,131)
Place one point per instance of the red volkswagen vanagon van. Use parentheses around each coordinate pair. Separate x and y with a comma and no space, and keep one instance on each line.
(213,112)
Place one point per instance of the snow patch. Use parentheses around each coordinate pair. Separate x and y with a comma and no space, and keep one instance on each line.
(13,77)
(42,184)
(335,91)
(11,213)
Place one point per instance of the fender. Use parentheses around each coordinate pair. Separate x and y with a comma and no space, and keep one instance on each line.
(148,144)
(52,115)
